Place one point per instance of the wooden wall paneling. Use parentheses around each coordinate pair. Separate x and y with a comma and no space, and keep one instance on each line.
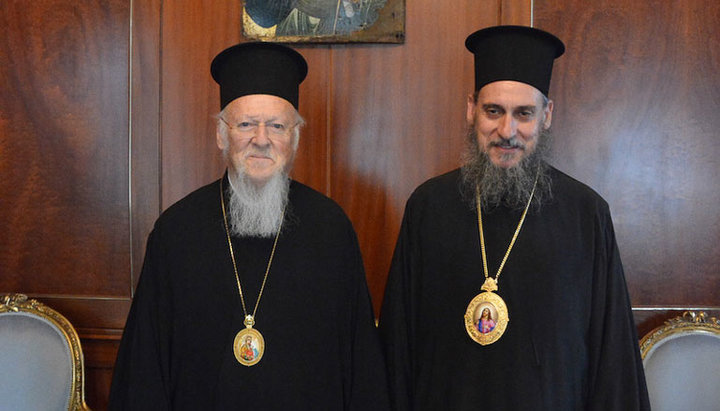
(64,138)
(312,161)
(398,118)
(516,12)
(636,103)
(192,34)
(100,345)
(145,127)
(100,350)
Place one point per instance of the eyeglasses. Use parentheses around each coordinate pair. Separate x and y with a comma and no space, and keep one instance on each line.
(248,127)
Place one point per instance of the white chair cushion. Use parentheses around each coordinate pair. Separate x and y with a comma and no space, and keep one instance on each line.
(683,373)
(35,364)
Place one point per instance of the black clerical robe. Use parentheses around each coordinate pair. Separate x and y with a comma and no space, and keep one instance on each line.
(322,351)
(571,341)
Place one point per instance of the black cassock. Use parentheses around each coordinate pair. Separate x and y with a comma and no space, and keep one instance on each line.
(322,351)
(570,343)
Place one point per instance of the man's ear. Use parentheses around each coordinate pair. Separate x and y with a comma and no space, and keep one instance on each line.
(548,115)
(220,140)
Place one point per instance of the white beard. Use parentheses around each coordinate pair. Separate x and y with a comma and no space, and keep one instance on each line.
(256,211)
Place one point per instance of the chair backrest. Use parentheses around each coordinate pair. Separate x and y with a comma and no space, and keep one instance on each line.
(682,363)
(41,361)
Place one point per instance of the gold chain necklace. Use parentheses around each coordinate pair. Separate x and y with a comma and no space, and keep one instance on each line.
(486,317)
(249,344)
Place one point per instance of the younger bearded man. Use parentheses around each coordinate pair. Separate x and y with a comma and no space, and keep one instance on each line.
(509,235)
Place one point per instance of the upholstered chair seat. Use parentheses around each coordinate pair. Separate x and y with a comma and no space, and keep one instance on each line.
(41,365)
(682,364)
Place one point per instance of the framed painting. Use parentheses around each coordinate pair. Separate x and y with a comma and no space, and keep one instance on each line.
(324,21)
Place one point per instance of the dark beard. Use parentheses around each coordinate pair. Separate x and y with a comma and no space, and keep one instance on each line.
(508,187)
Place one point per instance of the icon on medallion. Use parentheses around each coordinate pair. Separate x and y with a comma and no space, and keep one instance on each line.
(249,346)
(486,323)
(248,352)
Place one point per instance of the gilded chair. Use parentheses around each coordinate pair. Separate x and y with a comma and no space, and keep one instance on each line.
(41,361)
(682,363)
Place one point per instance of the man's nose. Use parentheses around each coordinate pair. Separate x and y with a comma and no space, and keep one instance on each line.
(507,127)
(261,135)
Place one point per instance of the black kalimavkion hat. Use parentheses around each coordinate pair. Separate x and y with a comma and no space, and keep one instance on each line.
(259,68)
(518,53)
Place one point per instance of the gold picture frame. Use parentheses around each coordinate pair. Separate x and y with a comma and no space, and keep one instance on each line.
(324,21)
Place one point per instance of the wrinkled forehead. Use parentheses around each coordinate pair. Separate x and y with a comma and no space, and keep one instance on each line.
(260,107)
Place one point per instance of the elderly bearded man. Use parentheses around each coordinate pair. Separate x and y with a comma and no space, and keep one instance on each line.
(252,260)
(512,235)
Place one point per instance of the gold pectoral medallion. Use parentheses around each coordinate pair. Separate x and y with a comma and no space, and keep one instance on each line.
(249,345)
(486,317)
